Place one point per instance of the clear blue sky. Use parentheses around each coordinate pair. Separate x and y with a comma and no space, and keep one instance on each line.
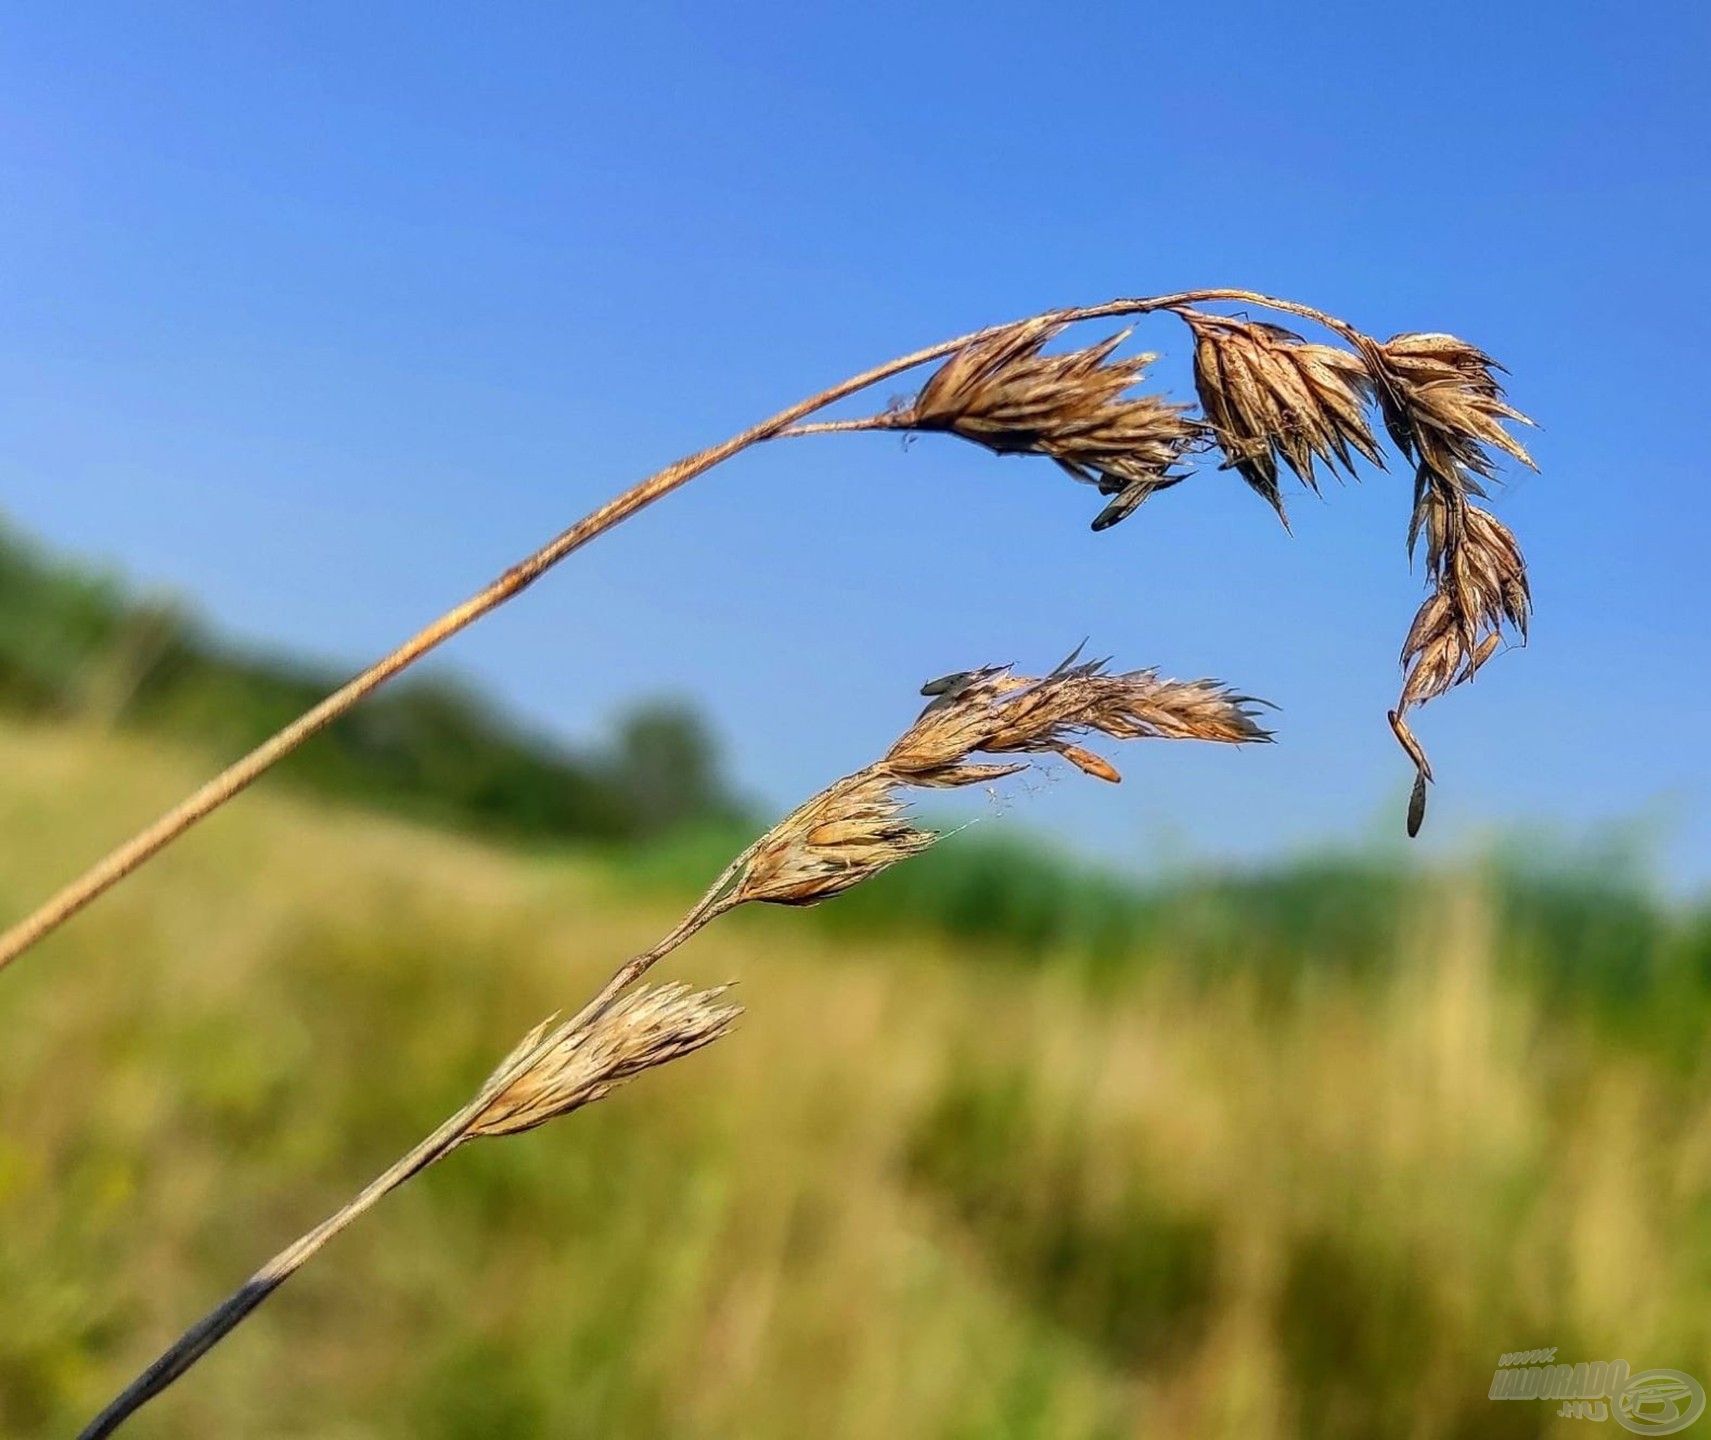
(319,315)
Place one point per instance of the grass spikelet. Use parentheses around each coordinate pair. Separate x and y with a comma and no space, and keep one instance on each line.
(847,833)
(994,711)
(1479,586)
(1270,396)
(1003,393)
(560,1068)
(1443,405)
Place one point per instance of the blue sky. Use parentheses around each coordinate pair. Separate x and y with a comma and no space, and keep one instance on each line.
(320,315)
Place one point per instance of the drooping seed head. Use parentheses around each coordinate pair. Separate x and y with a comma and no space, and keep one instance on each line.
(1479,586)
(556,1070)
(1444,408)
(1269,395)
(1003,393)
(1272,401)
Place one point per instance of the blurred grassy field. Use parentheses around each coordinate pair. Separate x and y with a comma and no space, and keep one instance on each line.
(1168,1179)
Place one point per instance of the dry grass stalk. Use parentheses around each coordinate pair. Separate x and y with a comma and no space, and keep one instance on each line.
(851,830)
(547,1075)
(1269,397)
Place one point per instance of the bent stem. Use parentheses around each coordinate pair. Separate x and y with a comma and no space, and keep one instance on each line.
(121,861)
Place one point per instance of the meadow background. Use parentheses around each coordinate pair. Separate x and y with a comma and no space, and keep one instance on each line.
(1009,1143)
(1206,1107)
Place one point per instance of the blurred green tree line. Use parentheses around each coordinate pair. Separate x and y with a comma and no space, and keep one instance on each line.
(82,646)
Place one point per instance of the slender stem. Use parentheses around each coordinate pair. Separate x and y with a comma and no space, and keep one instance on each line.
(213,1327)
(839,427)
(719,898)
(121,861)
(225,1317)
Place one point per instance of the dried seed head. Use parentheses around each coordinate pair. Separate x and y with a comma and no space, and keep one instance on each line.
(555,1071)
(1269,395)
(1479,585)
(1001,392)
(858,827)
(1443,406)
(845,834)
(1271,400)
(994,711)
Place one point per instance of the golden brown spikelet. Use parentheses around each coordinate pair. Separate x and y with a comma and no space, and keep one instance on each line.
(1269,395)
(1443,405)
(1141,704)
(1479,585)
(1003,393)
(554,1071)
(994,711)
(847,833)
(858,826)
